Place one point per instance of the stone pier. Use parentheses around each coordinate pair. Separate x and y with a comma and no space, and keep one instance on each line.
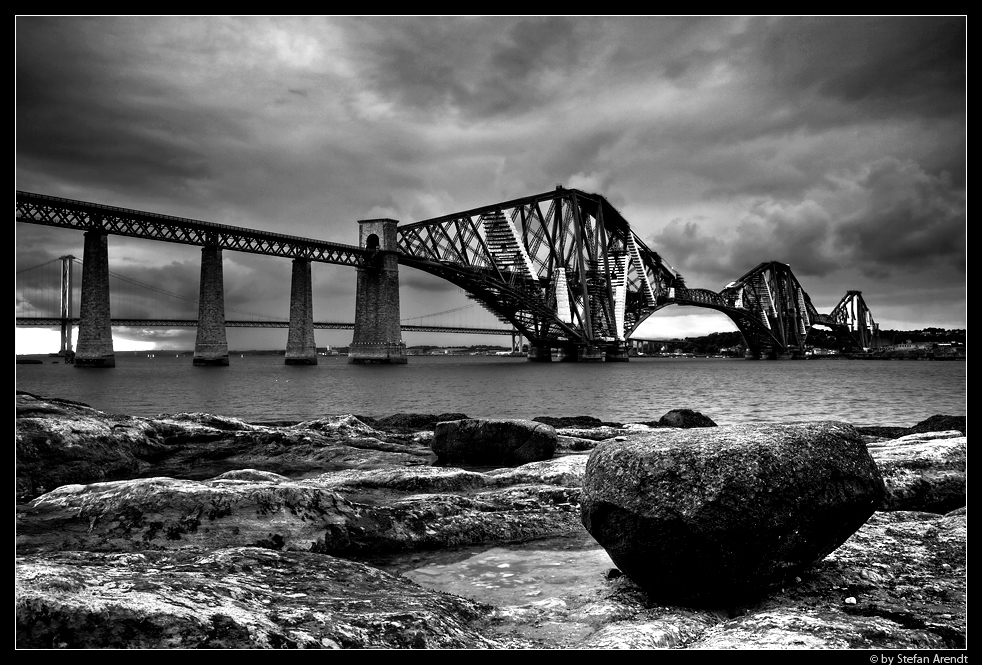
(617,352)
(590,354)
(95,334)
(211,345)
(378,333)
(301,349)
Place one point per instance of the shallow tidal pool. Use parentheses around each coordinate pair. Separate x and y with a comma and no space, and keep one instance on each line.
(531,573)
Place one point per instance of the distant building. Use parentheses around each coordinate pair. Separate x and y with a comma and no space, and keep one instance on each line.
(913,346)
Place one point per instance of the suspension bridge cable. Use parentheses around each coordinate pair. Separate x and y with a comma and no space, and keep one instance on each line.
(449,311)
(40,265)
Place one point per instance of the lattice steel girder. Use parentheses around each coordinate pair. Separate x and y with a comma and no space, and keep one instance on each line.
(512,256)
(854,316)
(771,293)
(84,216)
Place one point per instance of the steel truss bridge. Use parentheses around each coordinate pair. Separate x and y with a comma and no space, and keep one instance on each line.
(563,267)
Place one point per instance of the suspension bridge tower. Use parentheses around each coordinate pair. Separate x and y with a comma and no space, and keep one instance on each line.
(66,308)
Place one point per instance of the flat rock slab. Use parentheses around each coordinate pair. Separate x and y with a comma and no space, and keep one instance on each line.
(354,512)
(924,471)
(897,583)
(63,443)
(236,598)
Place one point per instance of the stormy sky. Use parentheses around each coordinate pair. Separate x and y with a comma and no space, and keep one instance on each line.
(836,145)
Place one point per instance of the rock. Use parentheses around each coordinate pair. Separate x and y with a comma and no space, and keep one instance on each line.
(345,513)
(172,562)
(573,422)
(252,474)
(238,598)
(924,472)
(415,421)
(685,418)
(940,423)
(600,433)
(720,515)
(573,443)
(906,571)
(489,441)
(61,443)
(936,423)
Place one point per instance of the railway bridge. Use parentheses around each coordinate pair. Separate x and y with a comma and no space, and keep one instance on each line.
(564,268)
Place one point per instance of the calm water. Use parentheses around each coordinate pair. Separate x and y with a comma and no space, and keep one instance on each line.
(727,390)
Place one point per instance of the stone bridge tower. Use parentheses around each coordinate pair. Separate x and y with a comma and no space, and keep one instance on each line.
(378,333)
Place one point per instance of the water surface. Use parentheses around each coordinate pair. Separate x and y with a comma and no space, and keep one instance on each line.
(729,391)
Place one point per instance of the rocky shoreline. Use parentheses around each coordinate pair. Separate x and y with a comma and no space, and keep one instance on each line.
(196,530)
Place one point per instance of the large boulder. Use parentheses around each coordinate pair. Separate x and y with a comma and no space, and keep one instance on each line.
(493,441)
(718,516)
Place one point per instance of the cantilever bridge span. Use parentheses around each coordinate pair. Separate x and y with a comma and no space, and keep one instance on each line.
(563,267)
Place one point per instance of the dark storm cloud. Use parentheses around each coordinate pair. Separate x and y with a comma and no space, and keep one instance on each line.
(433,65)
(795,98)
(796,235)
(892,221)
(910,220)
(886,66)
(84,113)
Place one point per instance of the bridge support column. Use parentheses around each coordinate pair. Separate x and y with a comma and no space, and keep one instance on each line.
(539,354)
(618,352)
(565,354)
(95,334)
(301,349)
(590,354)
(211,344)
(378,333)
(763,353)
